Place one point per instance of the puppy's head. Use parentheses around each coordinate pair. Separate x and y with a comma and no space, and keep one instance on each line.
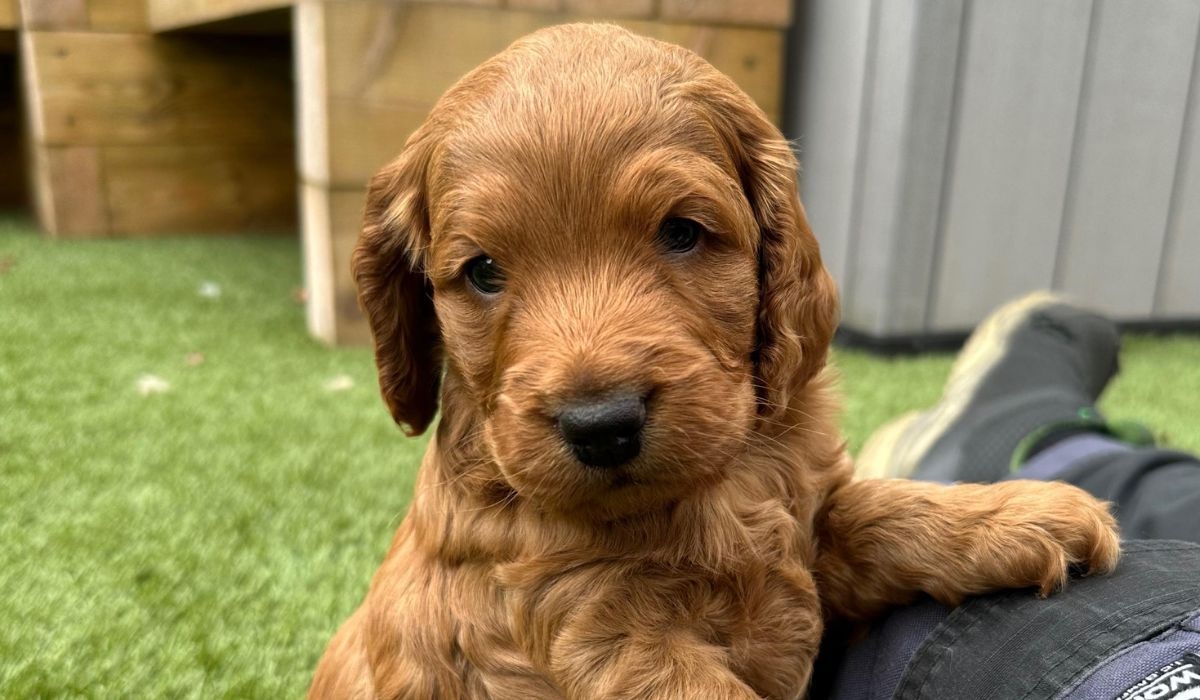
(598,236)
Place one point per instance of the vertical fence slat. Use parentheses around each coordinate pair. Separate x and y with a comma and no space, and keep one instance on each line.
(1178,294)
(896,204)
(939,44)
(830,61)
(1117,205)
(1011,160)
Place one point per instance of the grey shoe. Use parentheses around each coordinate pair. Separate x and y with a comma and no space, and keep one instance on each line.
(1032,370)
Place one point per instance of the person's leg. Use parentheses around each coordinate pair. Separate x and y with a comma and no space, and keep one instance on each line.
(1099,638)
(1035,363)
(1155,493)
(1020,403)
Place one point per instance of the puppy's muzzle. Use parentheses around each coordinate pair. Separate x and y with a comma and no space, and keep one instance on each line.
(604,433)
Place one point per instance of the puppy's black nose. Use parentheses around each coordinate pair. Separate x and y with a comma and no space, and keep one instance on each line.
(606,432)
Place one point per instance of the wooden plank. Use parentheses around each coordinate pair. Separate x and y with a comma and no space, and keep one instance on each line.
(9,14)
(473,3)
(69,192)
(378,52)
(190,188)
(374,96)
(435,45)
(830,56)
(54,14)
(176,14)
(770,13)
(332,220)
(367,136)
(345,216)
(752,57)
(117,15)
(107,89)
(80,15)
(611,9)
(368,74)
(535,5)
(1126,153)
(1008,177)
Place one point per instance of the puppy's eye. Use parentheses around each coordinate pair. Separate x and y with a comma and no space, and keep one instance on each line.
(679,235)
(485,275)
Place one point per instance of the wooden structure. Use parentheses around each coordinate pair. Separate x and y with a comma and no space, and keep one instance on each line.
(371,70)
(140,134)
(153,116)
(958,154)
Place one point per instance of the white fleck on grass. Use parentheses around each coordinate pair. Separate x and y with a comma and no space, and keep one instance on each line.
(148,384)
(341,382)
(209,290)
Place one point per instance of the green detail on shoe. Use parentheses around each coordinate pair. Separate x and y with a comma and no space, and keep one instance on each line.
(1129,432)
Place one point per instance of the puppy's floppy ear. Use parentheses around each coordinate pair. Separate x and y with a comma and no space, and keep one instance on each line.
(393,291)
(798,304)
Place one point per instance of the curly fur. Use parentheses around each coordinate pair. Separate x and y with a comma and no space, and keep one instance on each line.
(708,565)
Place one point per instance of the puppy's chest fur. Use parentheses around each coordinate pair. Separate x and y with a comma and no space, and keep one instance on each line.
(728,568)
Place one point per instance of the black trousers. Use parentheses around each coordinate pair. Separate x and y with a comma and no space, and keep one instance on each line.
(1014,645)
(1126,636)
(1155,493)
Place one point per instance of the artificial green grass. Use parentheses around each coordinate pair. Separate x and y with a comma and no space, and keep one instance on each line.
(206,541)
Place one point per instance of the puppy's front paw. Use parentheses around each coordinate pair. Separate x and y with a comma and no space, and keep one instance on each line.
(1053,528)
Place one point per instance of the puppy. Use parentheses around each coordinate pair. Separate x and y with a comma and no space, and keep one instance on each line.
(594,254)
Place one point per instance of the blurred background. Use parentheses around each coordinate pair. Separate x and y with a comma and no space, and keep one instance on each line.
(957,154)
(197,477)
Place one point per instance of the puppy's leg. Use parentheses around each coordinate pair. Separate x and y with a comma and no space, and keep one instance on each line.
(882,541)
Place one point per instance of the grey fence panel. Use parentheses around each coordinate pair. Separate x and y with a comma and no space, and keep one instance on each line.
(831,63)
(1000,146)
(1178,294)
(1131,118)
(938,42)
(1022,68)
(880,165)
(899,161)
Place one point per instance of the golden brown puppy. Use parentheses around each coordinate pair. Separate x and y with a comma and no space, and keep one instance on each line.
(637,488)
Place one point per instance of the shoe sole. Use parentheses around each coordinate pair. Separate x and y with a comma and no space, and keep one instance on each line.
(896,448)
